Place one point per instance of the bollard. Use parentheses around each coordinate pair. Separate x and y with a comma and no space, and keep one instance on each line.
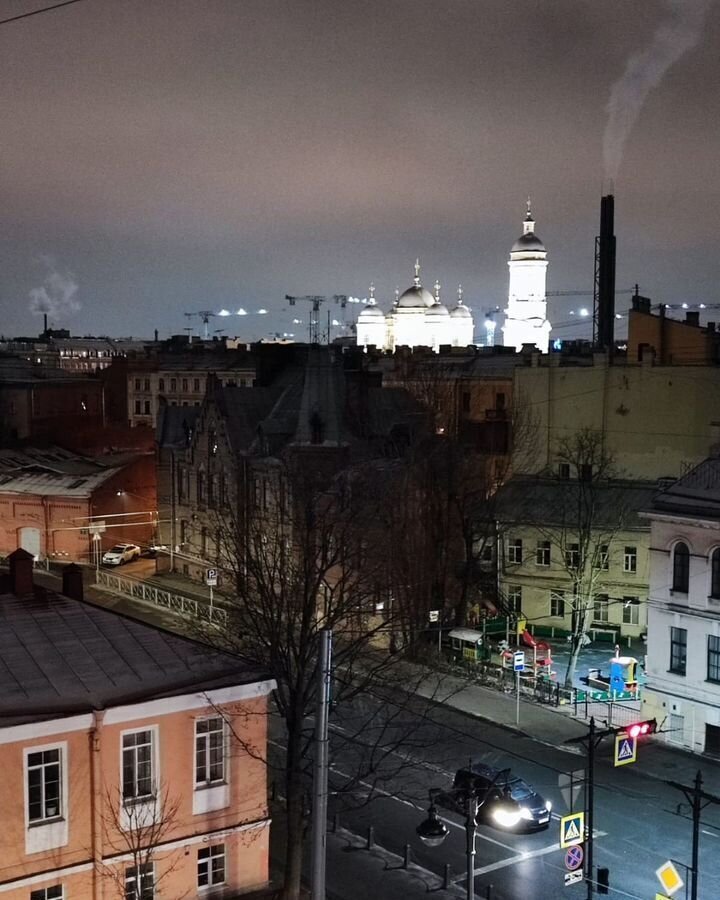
(370,837)
(446,877)
(406,858)
(488,892)
(336,823)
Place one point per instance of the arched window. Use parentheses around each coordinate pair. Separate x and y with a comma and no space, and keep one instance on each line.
(681,568)
(715,573)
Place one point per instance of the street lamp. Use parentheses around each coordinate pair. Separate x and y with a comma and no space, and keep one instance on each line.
(506,813)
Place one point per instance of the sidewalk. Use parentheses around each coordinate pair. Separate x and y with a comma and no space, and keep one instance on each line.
(555,725)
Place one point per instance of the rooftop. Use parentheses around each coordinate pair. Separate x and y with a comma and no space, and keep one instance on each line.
(56,472)
(695,494)
(60,656)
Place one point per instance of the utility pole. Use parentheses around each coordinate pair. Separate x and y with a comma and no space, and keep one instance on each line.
(320,780)
(695,796)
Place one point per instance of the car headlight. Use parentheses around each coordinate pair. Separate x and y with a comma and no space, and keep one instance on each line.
(506,818)
(548,805)
(526,813)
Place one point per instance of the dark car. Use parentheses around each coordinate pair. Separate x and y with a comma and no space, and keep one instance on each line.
(505,800)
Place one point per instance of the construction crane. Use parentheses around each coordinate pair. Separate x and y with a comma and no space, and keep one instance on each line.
(315,302)
(632,290)
(204,315)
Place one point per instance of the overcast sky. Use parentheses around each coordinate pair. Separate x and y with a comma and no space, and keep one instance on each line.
(164,156)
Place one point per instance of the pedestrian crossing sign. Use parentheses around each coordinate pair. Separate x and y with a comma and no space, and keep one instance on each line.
(572,829)
(625,749)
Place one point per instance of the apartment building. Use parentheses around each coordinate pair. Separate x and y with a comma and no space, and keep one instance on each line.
(135,755)
(683,651)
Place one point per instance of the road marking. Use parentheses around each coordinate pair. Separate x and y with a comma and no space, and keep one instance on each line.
(711,833)
(522,857)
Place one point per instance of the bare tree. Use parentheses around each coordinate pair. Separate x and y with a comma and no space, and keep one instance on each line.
(310,550)
(135,833)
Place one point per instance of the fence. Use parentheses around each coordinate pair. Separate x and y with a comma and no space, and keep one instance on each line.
(150,593)
(613,713)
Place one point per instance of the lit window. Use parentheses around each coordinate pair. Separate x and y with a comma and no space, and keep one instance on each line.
(137,765)
(44,772)
(211,866)
(209,751)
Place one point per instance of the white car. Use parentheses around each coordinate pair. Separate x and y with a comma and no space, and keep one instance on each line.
(120,553)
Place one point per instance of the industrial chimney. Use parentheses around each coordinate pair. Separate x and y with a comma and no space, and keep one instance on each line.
(604,312)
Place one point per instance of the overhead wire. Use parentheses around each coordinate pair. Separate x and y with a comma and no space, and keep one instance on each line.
(37,12)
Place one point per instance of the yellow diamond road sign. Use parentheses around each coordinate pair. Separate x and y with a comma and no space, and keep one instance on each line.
(572,829)
(669,878)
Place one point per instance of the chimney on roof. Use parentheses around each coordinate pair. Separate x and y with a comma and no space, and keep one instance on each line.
(72,581)
(692,317)
(21,572)
(710,327)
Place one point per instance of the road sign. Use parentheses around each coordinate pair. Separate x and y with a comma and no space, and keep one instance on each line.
(97,527)
(211,577)
(519,661)
(669,878)
(572,829)
(625,749)
(661,897)
(571,783)
(434,615)
(573,878)
(574,857)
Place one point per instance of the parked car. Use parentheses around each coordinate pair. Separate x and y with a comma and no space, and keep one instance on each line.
(120,553)
(154,550)
(506,801)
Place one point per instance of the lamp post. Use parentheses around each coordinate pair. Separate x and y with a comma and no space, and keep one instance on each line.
(433,831)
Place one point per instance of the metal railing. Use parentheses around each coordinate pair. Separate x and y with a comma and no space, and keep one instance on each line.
(160,597)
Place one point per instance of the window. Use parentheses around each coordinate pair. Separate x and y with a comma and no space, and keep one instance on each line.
(564,471)
(572,556)
(147,407)
(486,554)
(181,483)
(137,384)
(203,542)
(196,385)
(185,385)
(499,401)
(715,574)
(44,785)
(52,893)
(137,407)
(209,751)
(542,553)
(678,650)
(713,658)
(514,598)
(631,611)
(200,482)
(212,442)
(211,866)
(515,550)
(600,608)
(161,384)
(137,766)
(173,384)
(630,560)
(604,557)
(140,882)
(146,384)
(681,568)
(586,472)
(557,604)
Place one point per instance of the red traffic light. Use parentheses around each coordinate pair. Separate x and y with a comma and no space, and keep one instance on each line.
(640,728)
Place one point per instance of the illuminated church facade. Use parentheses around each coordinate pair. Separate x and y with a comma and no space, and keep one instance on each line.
(419,318)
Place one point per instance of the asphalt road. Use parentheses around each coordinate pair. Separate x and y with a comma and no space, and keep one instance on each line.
(636,820)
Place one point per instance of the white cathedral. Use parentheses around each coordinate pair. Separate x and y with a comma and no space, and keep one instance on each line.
(419,318)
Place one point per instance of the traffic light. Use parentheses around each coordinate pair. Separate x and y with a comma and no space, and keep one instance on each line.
(637,729)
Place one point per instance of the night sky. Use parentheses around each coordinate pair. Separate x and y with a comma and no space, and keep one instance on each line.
(164,156)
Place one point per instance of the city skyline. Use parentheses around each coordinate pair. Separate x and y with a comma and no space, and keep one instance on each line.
(158,162)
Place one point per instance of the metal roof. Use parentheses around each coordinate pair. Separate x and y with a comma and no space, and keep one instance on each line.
(60,656)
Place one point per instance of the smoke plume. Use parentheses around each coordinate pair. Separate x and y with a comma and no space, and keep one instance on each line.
(645,70)
(56,296)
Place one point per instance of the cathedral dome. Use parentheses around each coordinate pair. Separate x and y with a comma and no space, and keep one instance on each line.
(528,243)
(370,312)
(460,312)
(437,309)
(416,297)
